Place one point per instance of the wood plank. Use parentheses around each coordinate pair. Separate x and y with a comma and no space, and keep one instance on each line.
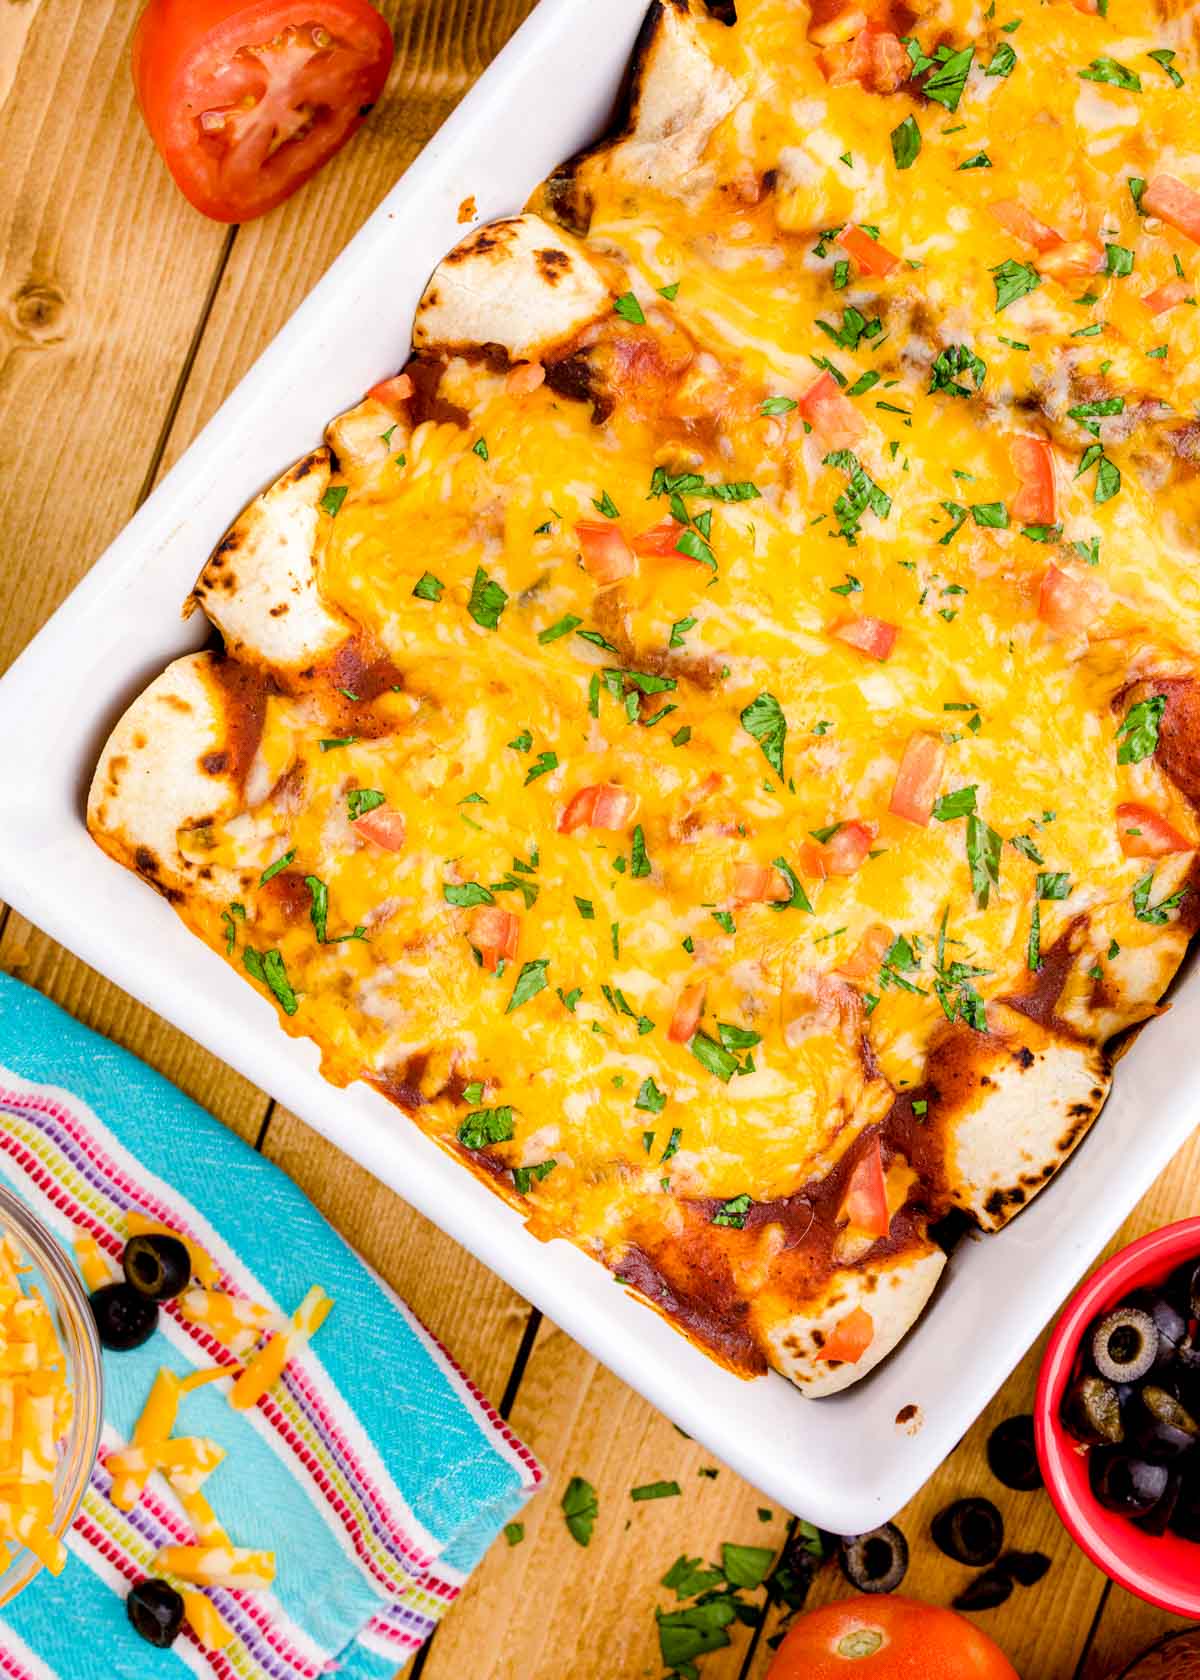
(16,20)
(478,1317)
(104,270)
(31,956)
(441,48)
(549,1609)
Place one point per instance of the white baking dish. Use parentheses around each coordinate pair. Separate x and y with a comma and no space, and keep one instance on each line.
(844,1463)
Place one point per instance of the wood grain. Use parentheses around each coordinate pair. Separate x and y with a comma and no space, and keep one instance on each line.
(550,1609)
(125,319)
(478,1317)
(103,272)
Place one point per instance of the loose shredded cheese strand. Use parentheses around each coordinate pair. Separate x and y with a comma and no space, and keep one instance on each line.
(187,1458)
(207,1622)
(92,1262)
(268,1363)
(155,1424)
(218,1566)
(200,1514)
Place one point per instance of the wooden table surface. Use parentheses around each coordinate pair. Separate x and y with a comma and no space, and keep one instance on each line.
(125,318)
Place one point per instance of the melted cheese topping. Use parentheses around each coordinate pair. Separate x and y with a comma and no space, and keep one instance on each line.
(498,719)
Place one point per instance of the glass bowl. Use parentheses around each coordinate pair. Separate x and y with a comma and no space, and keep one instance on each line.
(53,1272)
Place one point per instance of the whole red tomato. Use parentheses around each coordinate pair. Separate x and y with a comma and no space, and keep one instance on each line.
(888,1638)
(245,99)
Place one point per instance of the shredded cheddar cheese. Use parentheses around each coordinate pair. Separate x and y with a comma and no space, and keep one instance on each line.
(35,1412)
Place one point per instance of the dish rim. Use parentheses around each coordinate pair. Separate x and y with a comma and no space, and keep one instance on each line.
(844,1462)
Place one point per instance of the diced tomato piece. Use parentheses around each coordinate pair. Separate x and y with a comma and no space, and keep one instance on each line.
(494,934)
(1012,215)
(1167,296)
(875,58)
(604,806)
(1091,7)
(873,636)
(606,554)
(850,1338)
(392,391)
(383,828)
(843,853)
(1033,461)
(833,417)
(659,541)
(1175,203)
(1143,833)
(1066,602)
(870,951)
(1073,259)
(758,883)
(687,1014)
(865,1201)
(524,379)
(869,256)
(919,778)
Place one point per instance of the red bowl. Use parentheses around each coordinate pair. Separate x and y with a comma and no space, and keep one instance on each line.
(1163,1570)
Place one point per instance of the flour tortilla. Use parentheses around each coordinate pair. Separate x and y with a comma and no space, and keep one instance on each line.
(260,586)
(893,1291)
(1014,1103)
(165,768)
(516,283)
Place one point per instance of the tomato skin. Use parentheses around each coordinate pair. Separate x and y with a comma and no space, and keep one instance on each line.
(850,1338)
(183,49)
(887,1637)
(873,636)
(1143,833)
(1033,462)
(1174,203)
(865,1202)
(607,556)
(688,1011)
(869,256)
(919,778)
(603,805)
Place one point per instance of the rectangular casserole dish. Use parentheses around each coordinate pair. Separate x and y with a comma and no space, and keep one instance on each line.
(844,1463)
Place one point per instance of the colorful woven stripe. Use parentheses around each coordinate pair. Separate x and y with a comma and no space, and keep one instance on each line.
(372,1468)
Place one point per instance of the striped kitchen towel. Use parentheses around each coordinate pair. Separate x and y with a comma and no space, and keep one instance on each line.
(373,1469)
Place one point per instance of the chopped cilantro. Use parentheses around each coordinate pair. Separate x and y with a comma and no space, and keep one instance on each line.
(530,981)
(1117,75)
(629,309)
(1154,914)
(733,1212)
(1013,280)
(488,600)
(428,588)
(1138,733)
(906,143)
(331,501)
(763,719)
(983,858)
(956,359)
(580,1505)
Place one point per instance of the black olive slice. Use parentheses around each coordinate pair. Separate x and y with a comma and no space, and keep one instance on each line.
(970,1531)
(1157,1519)
(1126,1484)
(1168,1321)
(157,1265)
(156,1611)
(1124,1344)
(876,1562)
(1164,1428)
(1092,1412)
(1183,1287)
(1026,1568)
(1011,1454)
(986,1591)
(124,1319)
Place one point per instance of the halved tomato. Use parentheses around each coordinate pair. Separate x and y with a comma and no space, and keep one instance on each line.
(1143,833)
(884,1637)
(246,99)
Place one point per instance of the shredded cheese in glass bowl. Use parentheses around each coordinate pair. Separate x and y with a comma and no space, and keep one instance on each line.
(51,1397)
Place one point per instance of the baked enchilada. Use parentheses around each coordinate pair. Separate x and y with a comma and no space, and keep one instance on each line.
(715,738)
